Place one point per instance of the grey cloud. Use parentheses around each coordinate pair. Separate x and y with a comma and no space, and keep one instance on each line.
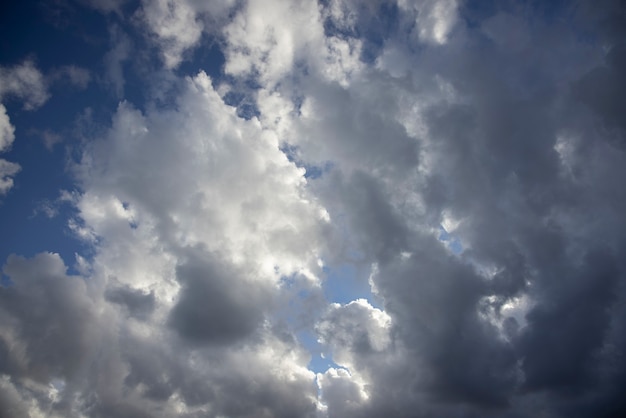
(603,89)
(67,342)
(52,316)
(217,303)
(516,161)
(137,302)
(569,325)
(71,74)
(11,403)
(114,60)
(377,227)
(7,171)
(434,298)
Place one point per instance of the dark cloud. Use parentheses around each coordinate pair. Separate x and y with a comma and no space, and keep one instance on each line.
(137,302)
(217,303)
(567,328)
(603,89)
(51,315)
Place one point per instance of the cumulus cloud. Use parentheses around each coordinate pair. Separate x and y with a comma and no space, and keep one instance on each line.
(24,82)
(188,283)
(382,133)
(178,25)
(7,131)
(7,136)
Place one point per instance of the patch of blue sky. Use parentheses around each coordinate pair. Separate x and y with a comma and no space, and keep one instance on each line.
(312,171)
(46,31)
(207,57)
(373,26)
(241,91)
(451,242)
(342,284)
(31,218)
(320,360)
(347,282)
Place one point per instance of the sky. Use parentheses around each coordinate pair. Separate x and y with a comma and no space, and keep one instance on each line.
(299,208)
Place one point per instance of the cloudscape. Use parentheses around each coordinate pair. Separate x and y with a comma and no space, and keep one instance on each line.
(313,208)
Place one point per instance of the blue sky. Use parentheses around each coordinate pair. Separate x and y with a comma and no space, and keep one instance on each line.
(297,208)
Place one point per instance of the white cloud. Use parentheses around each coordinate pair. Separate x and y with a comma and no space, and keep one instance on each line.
(185,206)
(25,82)
(7,171)
(178,25)
(434,19)
(354,329)
(7,131)
(116,57)
(233,171)
(270,38)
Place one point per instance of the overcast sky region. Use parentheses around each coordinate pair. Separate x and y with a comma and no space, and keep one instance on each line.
(313,208)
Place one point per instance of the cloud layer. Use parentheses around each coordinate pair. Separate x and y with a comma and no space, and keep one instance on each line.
(466,161)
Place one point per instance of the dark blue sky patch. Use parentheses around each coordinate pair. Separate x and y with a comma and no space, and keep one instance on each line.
(373,26)
(292,152)
(208,57)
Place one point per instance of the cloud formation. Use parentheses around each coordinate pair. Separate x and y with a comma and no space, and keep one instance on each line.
(26,83)
(465,161)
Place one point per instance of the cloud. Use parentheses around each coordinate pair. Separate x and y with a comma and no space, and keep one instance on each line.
(49,320)
(178,25)
(138,303)
(424,122)
(602,90)
(185,284)
(209,309)
(72,74)
(468,132)
(70,352)
(7,171)
(7,136)
(115,58)
(434,19)
(7,131)
(25,82)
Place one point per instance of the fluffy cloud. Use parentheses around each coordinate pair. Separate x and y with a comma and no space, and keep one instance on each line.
(7,135)
(178,25)
(7,131)
(194,231)
(467,135)
(180,289)
(25,82)
(466,162)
